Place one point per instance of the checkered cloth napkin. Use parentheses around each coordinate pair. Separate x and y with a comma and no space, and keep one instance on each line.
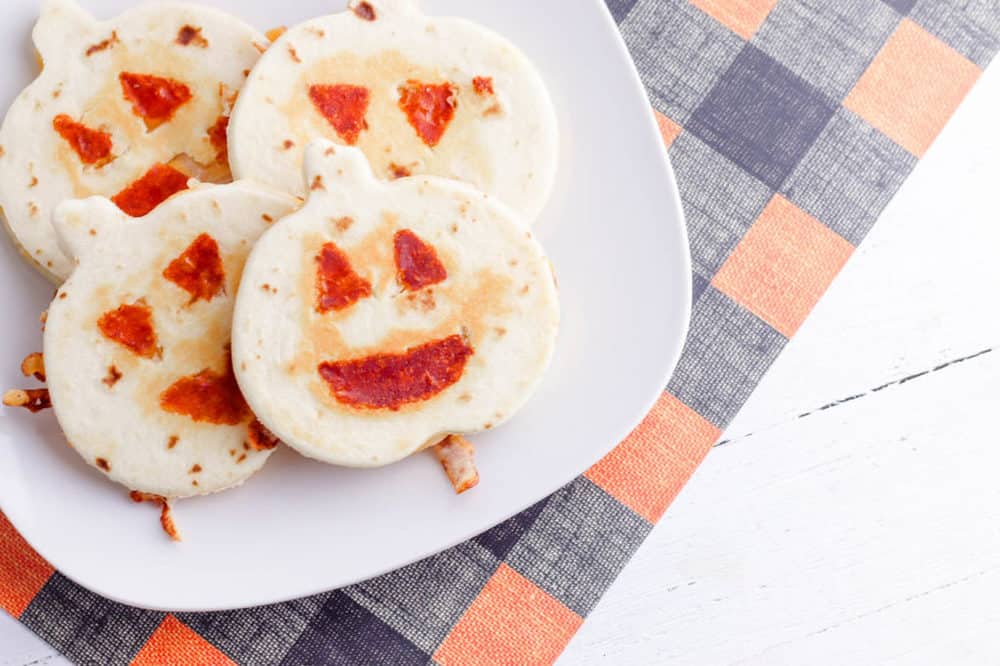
(790,125)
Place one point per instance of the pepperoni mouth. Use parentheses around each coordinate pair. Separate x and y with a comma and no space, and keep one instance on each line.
(389,381)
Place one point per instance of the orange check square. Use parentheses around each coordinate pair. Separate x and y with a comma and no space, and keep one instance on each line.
(912,87)
(22,571)
(741,16)
(647,470)
(669,130)
(175,644)
(783,265)
(512,621)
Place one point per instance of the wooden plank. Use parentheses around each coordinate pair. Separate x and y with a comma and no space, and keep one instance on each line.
(868,533)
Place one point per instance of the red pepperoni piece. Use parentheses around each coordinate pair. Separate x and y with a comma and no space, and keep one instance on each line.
(337,283)
(219,137)
(131,326)
(155,187)
(153,98)
(260,438)
(417,263)
(483,85)
(198,270)
(429,108)
(207,397)
(344,107)
(389,381)
(93,146)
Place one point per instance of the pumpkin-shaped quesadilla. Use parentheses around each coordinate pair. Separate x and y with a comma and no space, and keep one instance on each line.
(383,316)
(137,340)
(127,108)
(417,94)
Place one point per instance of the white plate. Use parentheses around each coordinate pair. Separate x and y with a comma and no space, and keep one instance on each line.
(615,232)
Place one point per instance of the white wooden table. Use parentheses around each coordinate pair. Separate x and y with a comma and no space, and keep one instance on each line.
(867,532)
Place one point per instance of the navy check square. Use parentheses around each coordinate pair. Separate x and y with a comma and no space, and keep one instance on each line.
(761,116)
(346,634)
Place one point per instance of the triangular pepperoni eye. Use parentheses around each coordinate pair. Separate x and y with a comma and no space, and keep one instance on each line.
(198,270)
(91,145)
(153,98)
(344,107)
(131,326)
(417,263)
(429,108)
(337,285)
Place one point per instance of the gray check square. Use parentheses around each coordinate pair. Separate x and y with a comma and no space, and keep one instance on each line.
(424,600)
(680,53)
(971,27)
(579,543)
(86,628)
(261,635)
(829,44)
(698,286)
(849,175)
(761,116)
(720,201)
(727,352)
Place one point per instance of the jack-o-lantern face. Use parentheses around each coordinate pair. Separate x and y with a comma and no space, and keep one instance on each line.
(129,108)
(389,380)
(385,315)
(137,339)
(417,95)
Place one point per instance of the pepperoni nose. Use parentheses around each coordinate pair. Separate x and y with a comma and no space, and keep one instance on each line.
(153,188)
(207,397)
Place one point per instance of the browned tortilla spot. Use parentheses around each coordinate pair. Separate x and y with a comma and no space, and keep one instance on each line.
(190,35)
(364,11)
(103,44)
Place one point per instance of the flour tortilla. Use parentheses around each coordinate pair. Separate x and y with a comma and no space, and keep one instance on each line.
(105,396)
(82,59)
(499,296)
(504,142)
